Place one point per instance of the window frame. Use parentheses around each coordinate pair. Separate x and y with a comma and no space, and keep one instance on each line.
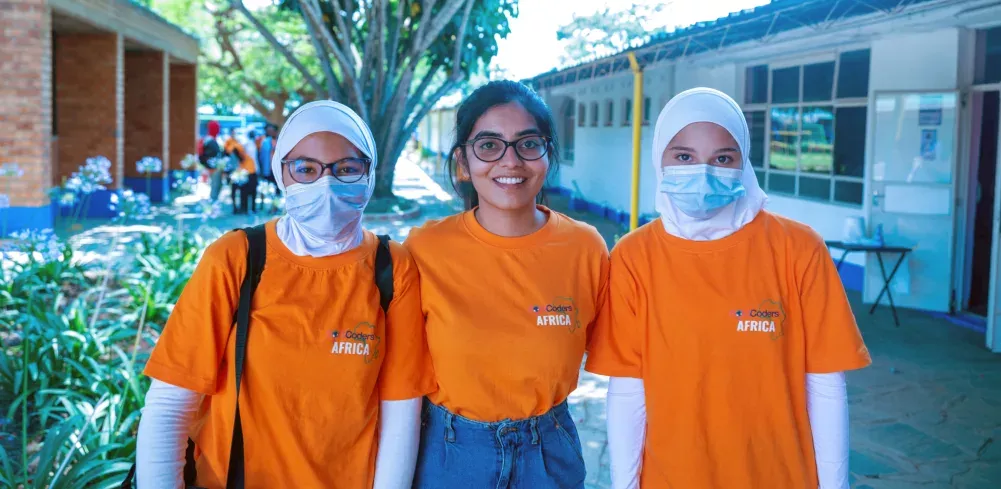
(610,113)
(627,112)
(595,113)
(581,114)
(765,172)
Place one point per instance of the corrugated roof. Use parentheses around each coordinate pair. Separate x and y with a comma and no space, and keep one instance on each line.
(758,23)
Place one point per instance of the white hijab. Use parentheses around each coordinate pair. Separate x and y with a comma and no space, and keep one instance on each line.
(321,116)
(706,105)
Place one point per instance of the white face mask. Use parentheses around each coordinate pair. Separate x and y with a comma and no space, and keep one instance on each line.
(328,209)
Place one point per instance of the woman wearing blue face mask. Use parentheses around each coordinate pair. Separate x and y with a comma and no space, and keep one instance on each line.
(332,378)
(727,332)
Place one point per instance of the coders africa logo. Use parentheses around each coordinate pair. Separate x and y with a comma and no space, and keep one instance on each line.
(360,340)
(561,312)
(769,317)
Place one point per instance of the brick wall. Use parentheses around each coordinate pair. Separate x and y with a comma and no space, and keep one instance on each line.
(144,108)
(25,101)
(88,87)
(183,119)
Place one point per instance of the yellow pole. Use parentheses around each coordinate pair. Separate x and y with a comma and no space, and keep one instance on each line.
(634,215)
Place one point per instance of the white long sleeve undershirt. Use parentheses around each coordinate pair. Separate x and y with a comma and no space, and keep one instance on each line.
(170,412)
(827,407)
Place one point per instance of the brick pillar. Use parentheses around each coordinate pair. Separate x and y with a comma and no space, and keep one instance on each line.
(25,112)
(183,116)
(146,116)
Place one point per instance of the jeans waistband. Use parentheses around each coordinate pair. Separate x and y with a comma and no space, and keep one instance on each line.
(530,426)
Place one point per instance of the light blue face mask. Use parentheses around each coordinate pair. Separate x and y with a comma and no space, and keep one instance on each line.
(328,208)
(702,190)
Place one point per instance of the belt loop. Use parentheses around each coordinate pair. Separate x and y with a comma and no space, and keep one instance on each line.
(534,426)
(449,431)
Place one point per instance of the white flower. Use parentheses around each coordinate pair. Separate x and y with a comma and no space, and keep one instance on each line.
(133,205)
(44,242)
(210,210)
(11,170)
(149,164)
(189,162)
(4,201)
(67,199)
(91,177)
(240,176)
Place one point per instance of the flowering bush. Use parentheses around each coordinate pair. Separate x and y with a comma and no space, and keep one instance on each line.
(185,185)
(131,205)
(42,245)
(209,210)
(149,164)
(91,177)
(189,162)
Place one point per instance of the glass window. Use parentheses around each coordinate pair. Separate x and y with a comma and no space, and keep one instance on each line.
(781,183)
(760,175)
(853,74)
(568,132)
(756,123)
(609,112)
(785,85)
(646,110)
(848,192)
(756,85)
(989,56)
(815,188)
(594,114)
(627,112)
(849,141)
(582,116)
(818,82)
(816,141)
(785,132)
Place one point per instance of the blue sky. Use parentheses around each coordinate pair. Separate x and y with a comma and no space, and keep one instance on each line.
(532,48)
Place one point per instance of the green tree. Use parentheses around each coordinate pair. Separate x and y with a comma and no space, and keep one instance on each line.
(238,65)
(390,60)
(608,31)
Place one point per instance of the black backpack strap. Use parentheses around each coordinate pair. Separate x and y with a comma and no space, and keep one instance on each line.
(256,256)
(384,273)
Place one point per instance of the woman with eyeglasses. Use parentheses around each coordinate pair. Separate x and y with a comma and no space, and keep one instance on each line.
(727,331)
(331,386)
(510,289)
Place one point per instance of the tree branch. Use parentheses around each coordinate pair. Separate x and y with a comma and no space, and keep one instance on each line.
(333,90)
(440,21)
(343,32)
(238,4)
(393,53)
(354,95)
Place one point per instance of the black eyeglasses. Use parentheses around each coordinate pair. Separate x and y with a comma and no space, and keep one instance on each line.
(346,170)
(490,149)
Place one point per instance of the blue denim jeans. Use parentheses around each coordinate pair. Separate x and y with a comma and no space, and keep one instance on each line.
(543,452)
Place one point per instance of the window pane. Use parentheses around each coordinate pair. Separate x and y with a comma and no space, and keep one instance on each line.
(816,140)
(609,113)
(849,141)
(848,192)
(785,129)
(989,56)
(785,184)
(818,82)
(760,175)
(853,74)
(785,85)
(756,123)
(646,110)
(815,188)
(582,117)
(756,85)
(628,112)
(594,114)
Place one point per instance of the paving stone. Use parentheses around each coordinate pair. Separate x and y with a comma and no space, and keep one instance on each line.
(912,443)
(869,464)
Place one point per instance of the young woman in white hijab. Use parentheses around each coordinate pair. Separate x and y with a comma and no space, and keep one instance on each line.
(331,389)
(727,331)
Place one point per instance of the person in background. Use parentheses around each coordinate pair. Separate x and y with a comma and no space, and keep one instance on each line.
(510,289)
(331,389)
(240,191)
(266,152)
(250,189)
(727,331)
(209,152)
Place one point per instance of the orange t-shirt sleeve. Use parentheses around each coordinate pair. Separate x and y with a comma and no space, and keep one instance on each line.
(193,344)
(615,346)
(406,372)
(601,298)
(833,340)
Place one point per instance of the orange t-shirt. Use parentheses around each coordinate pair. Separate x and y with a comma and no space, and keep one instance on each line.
(507,318)
(309,402)
(247,163)
(723,334)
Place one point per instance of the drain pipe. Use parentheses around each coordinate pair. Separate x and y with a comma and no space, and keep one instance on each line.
(634,65)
